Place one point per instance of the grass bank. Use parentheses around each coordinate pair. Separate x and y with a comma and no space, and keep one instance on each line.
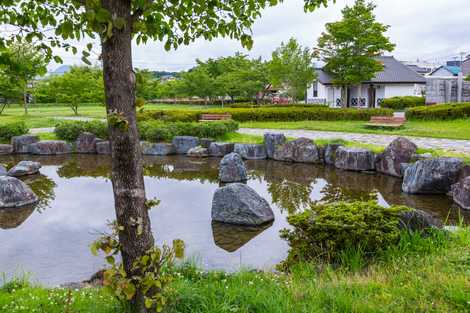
(420,274)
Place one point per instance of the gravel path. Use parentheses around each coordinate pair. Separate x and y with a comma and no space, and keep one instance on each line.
(461,146)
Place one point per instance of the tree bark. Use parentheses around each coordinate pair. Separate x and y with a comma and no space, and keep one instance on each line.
(127,166)
(344,96)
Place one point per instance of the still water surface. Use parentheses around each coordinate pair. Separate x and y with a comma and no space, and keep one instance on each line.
(51,240)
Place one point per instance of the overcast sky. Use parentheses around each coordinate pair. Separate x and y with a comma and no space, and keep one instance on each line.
(431,30)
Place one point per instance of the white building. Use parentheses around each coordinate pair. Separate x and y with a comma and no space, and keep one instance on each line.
(395,80)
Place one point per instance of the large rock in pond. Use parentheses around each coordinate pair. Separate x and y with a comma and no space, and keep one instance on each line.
(240,205)
(250,151)
(161,148)
(401,150)
(184,143)
(86,143)
(461,193)
(3,170)
(434,176)
(24,168)
(198,152)
(271,141)
(354,159)
(103,147)
(21,143)
(302,150)
(232,169)
(6,149)
(418,221)
(330,153)
(220,149)
(14,193)
(50,147)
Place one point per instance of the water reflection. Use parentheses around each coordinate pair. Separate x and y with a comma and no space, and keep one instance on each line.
(77,201)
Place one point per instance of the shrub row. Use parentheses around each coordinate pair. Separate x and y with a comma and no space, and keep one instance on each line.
(450,111)
(70,130)
(12,129)
(155,131)
(401,103)
(269,114)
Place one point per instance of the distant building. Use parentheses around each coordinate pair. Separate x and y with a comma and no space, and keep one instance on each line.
(446,71)
(61,70)
(396,79)
(466,66)
(420,70)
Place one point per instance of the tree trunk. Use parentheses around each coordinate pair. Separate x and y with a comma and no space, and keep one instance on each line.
(127,167)
(344,96)
(25,102)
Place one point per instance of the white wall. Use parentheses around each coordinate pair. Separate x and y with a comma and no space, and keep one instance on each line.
(401,90)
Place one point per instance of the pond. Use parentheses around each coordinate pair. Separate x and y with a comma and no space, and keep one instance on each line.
(51,240)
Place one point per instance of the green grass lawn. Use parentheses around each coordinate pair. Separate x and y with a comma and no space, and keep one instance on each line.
(421,274)
(455,129)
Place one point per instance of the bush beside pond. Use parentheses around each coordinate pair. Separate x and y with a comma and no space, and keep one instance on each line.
(12,129)
(70,130)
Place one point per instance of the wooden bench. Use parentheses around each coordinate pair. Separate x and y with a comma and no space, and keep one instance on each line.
(215,117)
(386,121)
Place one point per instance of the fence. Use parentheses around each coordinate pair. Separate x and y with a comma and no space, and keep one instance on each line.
(446,90)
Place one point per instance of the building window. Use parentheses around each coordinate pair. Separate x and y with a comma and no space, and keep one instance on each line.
(315,90)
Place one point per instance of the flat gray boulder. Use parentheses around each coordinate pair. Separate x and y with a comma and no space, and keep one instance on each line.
(184,143)
(86,143)
(330,153)
(14,193)
(220,149)
(232,169)
(50,147)
(21,143)
(6,149)
(302,150)
(434,176)
(250,151)
(240,205)
(103,147)
(271,141)
(198,152)
(161,149)
(354,159)
(418,221)
(400,151)
(24,168)
(461,193)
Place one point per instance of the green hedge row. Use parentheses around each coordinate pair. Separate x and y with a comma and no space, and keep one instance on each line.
(70,130)
(450,111)
(12,129)
(269,114)
(401,103)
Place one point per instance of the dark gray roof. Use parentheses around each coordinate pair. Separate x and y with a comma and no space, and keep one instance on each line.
(394,72)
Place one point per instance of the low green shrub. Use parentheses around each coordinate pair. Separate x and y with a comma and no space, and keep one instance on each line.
(155,131)
(402,103)
(269,114)
(329,232)
(70,130)
(446,111)
(12,129)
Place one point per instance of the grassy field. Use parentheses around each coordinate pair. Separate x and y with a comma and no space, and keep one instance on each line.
(420,274)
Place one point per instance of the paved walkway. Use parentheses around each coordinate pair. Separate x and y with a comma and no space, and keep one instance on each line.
(461,146)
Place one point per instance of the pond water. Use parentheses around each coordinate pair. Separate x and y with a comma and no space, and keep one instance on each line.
(51,240)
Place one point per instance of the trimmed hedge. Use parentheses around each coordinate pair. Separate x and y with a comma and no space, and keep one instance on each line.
(70,130)
(12,129)
(401,103)
(449,111)
(155,131)
(319,113)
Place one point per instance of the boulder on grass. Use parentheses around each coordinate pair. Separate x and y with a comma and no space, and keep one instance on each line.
(302,150)
(232,169)
(14,193)
(401,150)
(198,152)
(461,193)
(161,148)
(21,143)
(354,159)
(86,143)
(271,141)
(250,151)
(330,153)
(6,149)
(434,176)
(184,143)
(50,147)
(418,221)
(220,149)
(240,205)
(24,168)
(103,147)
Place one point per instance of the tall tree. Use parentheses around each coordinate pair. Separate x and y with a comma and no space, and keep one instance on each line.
(117,23)
(21,63)
(292,68)
(349,46)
